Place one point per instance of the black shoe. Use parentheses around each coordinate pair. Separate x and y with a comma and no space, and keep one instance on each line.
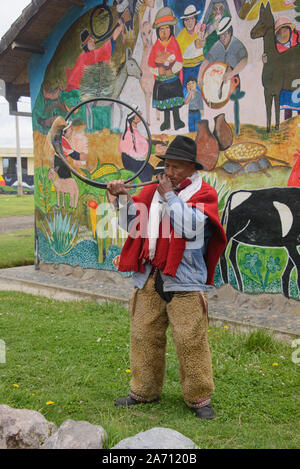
(166,125)
(205,413)
(126,401)
(178,123)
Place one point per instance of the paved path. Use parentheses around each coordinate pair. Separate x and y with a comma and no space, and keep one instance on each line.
(11,224)
(226,306)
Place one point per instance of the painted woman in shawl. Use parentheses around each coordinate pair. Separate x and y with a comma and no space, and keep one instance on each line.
(166,63)
(216,10)
(134,147)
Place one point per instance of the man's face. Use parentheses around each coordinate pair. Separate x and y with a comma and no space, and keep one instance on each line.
(283,35)
(91,44)
(218,10)
(137,119)
(177,171)
(164,33)
(225,38)
(190,23)
(191,85)
(68,132)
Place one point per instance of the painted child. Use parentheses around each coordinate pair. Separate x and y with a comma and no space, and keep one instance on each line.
(195,102)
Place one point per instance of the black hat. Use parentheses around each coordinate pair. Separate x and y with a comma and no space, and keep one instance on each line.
(182,149)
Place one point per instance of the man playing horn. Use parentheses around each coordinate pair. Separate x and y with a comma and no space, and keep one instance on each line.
(174,243)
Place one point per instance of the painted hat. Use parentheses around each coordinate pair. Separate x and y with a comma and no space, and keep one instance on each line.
(84,37)
(69,124)
(190,12)
(132,113)
(164,16)
(283,21)
(182,149)
(224,25)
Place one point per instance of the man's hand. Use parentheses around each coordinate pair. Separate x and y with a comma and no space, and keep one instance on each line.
(164,185)
(117,187)
(227,76)
(200,82)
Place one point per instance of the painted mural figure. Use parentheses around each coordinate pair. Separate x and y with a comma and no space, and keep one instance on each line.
(166,63)
(78,159)
(216,10)
(147,80)
(232,52)
(134,147)
(294,179)
(228,49)
(190,45)
(90,56)
(286,37)
(195,102)
(127,9)
(280,69)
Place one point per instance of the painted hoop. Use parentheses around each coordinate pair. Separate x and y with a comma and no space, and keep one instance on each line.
(98,10)
(60,153)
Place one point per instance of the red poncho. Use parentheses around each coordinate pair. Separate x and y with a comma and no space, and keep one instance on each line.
(294,41)
(74,75)
(169,252)
(172,47)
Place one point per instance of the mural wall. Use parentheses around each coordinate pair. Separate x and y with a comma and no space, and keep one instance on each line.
(224,72)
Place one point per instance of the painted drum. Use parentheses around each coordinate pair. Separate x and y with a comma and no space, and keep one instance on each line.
(215,92)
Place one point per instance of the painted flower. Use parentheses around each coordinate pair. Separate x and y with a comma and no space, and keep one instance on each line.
(93,204)
(273,264)
(253,263)
(116,261)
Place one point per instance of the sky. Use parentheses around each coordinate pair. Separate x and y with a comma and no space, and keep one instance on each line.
(9,12)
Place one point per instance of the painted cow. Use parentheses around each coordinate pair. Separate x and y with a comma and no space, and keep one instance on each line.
(264,218)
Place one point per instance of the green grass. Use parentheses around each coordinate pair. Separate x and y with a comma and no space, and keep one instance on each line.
(75,354)
(12,205)
(17,248)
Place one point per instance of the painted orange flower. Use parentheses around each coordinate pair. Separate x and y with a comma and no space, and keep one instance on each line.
(93,204)
(116,261)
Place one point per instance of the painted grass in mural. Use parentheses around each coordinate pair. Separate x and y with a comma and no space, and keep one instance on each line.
(261,270)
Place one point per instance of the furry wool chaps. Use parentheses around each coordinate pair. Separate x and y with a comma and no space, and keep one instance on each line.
(187,316)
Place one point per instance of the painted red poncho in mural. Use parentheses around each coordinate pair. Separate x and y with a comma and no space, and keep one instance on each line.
(74,75)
